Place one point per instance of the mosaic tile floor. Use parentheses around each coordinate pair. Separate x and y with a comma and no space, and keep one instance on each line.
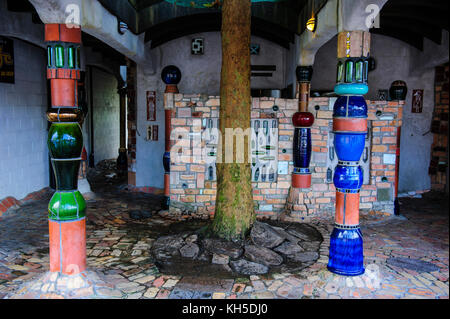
(120,265)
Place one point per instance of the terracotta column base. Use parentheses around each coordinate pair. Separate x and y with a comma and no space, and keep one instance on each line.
(68,246)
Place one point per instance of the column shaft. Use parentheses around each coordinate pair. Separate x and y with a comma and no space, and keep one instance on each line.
(67,208)
(302,120)
(350,130)
(171,76)
(122,160)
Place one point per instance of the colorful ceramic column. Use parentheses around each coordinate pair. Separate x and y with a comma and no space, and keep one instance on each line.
(350,130)
(171,76)
(302,120)
(397,92)
(67,208)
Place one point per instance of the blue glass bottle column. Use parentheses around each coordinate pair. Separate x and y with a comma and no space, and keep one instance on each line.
(302,121)
(171,76)
(350,130)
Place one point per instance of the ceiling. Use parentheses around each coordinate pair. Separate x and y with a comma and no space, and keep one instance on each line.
(87,40)
(165,20)
(410,21)
(413,20)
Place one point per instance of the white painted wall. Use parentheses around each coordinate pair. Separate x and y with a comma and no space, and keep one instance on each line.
(23,126)
(149,167)
(200,74)
(397,60)
(106,106)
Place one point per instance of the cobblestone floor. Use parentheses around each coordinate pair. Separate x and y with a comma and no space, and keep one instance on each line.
(118,254)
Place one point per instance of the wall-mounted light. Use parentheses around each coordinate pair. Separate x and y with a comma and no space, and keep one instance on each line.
(122,27)
(311,24)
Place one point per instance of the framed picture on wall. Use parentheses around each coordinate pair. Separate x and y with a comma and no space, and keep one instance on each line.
(151,105)
(6,60)
(155,133)
(417,101)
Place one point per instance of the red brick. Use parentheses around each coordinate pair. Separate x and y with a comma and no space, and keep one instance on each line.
(379,148)
(389,140)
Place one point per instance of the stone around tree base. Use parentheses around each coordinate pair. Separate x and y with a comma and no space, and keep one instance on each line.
(53,285)
(269,248)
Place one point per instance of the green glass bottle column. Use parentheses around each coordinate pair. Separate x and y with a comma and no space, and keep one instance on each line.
(65,143)
(67,208)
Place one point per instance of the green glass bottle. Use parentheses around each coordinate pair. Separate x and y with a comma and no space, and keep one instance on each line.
(359,70)
(349,71)
(366,71)
(340,72)
(59,56)
(49,56)
(71,57)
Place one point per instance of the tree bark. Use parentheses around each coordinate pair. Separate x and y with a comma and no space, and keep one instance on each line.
(234,214)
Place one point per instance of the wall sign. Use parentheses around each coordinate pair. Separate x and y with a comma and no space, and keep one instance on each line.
(417,101)
(254,49)
(197,46)
(383,95)
(151,106)
(6,60)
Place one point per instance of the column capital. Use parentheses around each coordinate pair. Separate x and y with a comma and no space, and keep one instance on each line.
(353,44)
(304,73)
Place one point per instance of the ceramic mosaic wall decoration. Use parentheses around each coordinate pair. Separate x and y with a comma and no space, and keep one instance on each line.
(264,148)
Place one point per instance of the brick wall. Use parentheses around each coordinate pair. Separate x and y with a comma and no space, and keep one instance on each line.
(439,149)
(192,192)
(24,164)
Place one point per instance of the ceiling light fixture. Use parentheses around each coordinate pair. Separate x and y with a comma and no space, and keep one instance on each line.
(311,24)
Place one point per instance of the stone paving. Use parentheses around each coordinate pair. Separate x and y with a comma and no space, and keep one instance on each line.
(120,265)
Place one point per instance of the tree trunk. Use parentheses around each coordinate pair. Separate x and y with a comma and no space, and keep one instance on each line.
(234,214)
